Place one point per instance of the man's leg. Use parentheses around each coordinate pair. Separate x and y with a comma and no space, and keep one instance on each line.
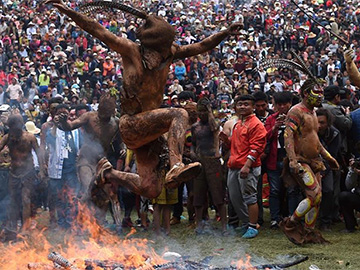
(129,202)
(276,186)
(326,206)
(4,194)
(166,213)
(146,183)
(71,190)
(307,208)
(313,197)
(214,176)
(143,128)
(86,176)
(348,203)
(200,197)
(15,198)
(249,194)
(55,201)
(26,192)
(178,207)
(235,193)
(157,217)
(259,197)
(336,192)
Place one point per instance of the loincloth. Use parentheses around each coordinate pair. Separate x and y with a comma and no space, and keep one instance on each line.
(290,179)
(26,178)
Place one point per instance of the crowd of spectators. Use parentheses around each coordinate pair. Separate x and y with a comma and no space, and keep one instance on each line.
(45,55)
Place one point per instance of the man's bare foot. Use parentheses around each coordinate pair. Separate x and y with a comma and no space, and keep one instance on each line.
(180,173)
(102,166)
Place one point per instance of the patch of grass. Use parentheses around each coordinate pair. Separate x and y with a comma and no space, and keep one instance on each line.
(269,246)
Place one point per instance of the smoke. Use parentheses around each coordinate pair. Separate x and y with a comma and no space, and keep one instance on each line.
(214,248)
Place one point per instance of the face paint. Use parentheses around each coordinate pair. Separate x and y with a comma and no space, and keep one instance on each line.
(316,96)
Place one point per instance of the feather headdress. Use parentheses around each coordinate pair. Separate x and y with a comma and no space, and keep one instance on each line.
(87,8)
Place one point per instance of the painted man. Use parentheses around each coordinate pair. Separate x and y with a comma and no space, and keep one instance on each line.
(22,171)
(304,163)
(146,67)
(101,137)
(205,147)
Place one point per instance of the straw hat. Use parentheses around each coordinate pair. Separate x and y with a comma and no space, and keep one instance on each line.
(31,128)
(312,35)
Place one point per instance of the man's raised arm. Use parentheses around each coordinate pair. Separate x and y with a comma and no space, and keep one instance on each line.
(118,44)
(351,68)
(62,122)
(208,43)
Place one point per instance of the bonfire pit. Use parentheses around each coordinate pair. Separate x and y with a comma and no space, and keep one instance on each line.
(59,262)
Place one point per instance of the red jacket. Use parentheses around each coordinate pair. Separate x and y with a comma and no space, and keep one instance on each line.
(272,138)
(248,140)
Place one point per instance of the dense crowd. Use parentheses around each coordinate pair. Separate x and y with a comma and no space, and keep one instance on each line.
(49,66)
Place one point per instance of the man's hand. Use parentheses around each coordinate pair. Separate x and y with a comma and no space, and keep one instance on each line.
(244,172)
(60,118)
(127,169)
(224,138)
(59,4)
(334,165)
(295,167)
(235,28)
(349,56)
(280,120)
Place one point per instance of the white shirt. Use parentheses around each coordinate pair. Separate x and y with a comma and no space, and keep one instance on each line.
(14,91)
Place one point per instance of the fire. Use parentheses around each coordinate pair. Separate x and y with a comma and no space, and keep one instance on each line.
(245,264)
(86,241)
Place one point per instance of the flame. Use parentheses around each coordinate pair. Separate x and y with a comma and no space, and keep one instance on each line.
(245,264)
(87,240)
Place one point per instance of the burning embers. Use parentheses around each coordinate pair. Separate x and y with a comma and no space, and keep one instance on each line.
(60,262)
(85,240)
(88,246)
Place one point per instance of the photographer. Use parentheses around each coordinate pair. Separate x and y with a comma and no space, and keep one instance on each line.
(350,200)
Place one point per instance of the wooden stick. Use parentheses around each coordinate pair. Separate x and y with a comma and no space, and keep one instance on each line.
(316,22)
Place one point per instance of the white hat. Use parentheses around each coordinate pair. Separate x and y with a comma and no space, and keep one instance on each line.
(31,128)
(4,107)
(36,97)
(97,70)
(173,97)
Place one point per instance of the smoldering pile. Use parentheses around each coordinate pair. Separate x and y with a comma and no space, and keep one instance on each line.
(181,263)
